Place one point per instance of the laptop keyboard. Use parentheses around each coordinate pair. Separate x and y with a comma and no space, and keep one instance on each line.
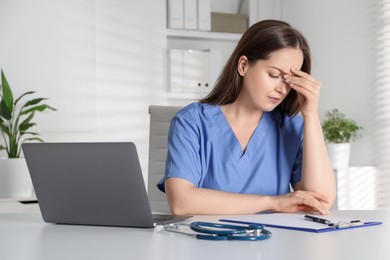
(158,218)
(164,219)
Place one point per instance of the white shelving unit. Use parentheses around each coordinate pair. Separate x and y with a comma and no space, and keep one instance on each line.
(186,96)
(200,40)
(220,41)
(188,34)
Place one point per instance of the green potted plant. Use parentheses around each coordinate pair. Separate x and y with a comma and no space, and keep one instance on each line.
(15,124)
(339,132)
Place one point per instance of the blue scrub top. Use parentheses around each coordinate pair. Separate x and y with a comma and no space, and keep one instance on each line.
(203,149)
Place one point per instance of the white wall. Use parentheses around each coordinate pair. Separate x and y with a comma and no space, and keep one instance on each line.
(340,34)
(49,46)
(102,63)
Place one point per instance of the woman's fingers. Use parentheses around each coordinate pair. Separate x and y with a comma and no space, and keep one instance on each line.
(300,73)
(307,87)
(304,75)
(302,201)
(313,202)
(315,194)
(304,83)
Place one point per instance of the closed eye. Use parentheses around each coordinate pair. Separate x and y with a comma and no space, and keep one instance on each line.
(274,76)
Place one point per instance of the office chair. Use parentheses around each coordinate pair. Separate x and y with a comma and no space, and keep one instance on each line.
(160,118)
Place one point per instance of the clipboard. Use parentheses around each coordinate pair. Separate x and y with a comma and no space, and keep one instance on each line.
(296,221)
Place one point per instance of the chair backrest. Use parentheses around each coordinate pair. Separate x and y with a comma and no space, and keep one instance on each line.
(160,119)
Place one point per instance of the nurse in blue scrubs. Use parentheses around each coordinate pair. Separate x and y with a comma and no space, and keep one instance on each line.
(255,142)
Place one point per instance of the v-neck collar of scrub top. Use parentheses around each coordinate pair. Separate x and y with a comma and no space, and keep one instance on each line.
(243,159)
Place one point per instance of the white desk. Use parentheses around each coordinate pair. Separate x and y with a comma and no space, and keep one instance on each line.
(26,236)
(16,206)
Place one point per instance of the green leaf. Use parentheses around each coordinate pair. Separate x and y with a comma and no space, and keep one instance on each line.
(28,133)
(37,108)
(13,147)
(4,110)
(26,126)
(7,98)
(3,127)
(27,93)
(34,102)
(26,123)
(338,129)
(33,139)
(12,131)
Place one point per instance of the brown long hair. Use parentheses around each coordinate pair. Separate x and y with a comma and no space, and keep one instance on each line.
(257,43)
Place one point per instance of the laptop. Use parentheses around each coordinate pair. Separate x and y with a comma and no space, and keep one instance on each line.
(91,184)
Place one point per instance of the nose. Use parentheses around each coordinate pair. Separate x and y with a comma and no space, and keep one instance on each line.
(282,88)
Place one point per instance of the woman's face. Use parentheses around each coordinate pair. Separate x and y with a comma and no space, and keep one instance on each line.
(263,83)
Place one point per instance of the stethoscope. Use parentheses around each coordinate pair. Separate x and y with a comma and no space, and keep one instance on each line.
(216,231)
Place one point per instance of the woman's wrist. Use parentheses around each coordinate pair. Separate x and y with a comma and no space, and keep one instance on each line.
(267,203)
(313,116)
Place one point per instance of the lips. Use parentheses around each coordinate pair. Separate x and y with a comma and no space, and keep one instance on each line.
(274,100)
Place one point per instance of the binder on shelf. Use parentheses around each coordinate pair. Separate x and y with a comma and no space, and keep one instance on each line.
(190,15)
(175,14)
(197,71)
(192,71)
(297,221)
(204,15)
(176,67)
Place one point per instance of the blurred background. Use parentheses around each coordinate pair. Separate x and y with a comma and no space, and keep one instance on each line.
(102,63)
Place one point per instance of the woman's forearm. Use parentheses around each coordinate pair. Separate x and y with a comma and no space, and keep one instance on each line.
(317,171)
(185,199)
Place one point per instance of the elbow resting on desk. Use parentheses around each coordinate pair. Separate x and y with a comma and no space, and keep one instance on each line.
(329,195)
(176,191)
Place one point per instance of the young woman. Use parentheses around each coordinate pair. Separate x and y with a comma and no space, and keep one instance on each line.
(239,149)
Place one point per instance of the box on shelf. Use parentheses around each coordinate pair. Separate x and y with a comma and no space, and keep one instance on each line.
(231,23)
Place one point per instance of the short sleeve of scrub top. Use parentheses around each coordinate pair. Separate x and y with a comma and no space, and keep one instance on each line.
(203,149)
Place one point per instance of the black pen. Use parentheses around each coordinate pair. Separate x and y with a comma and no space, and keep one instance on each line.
(317,220)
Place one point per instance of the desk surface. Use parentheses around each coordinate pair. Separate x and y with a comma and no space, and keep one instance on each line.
(26,236)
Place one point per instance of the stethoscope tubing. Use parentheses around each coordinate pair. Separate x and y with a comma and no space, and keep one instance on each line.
(233,237)
(251,232)
(226,229)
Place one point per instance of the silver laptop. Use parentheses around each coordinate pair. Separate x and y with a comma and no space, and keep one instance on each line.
(91,184)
